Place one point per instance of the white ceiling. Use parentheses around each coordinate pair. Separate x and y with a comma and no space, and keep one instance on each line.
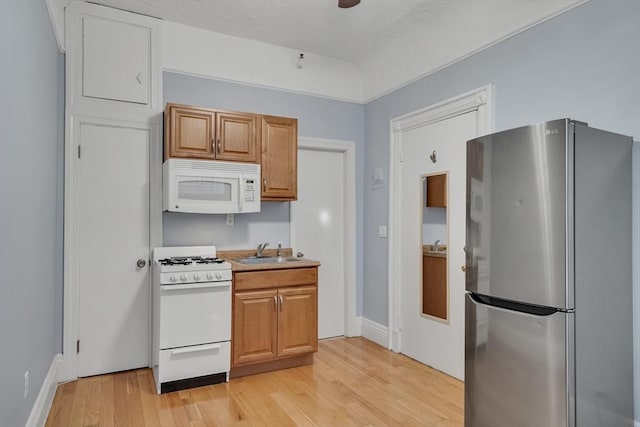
(418,36)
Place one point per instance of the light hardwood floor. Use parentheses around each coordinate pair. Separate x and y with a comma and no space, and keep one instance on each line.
(353,382)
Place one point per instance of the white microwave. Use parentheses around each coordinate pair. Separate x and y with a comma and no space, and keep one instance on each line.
(210,186)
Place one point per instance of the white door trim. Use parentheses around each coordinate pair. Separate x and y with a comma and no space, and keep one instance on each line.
(69,365)
(479,100)
(349,150)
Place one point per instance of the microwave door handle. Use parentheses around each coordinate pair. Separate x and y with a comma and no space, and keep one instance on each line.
(241,193)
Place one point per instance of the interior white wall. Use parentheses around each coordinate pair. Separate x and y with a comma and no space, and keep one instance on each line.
(204,53)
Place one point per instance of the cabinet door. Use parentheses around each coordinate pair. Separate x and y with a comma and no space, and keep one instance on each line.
(297,320)
(437,191)
(279,158)
(189,133)
(237,137)
(434,286)
(117,60)
(255,328)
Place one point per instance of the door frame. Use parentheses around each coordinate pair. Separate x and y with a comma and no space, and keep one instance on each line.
(348,149)
(68,370)
(479,100)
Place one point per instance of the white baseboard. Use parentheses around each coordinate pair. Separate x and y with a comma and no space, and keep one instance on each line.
(42,405)
(374,331)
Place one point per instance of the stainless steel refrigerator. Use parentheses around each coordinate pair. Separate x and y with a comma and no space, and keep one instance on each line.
(549,337)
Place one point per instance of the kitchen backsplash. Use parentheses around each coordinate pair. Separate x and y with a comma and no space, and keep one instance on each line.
(271,225)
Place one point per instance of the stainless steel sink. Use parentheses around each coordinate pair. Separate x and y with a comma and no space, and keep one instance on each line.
(267,260)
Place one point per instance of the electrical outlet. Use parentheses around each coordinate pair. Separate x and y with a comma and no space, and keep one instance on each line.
(230,219)
(382,231)
(26,384)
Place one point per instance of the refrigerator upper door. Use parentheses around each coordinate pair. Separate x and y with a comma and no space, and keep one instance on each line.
(517,196)
(516,368)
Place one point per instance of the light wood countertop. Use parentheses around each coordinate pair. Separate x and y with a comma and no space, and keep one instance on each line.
(233,255)
(440,253)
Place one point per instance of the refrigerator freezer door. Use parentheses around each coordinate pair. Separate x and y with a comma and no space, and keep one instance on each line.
(516,371)
(517,207)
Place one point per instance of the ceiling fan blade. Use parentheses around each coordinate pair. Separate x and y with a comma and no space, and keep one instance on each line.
(347,3)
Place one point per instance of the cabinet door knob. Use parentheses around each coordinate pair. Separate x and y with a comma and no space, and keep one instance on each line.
(139,78)
(264,184)
(141,263)
(275,303)
(463,268)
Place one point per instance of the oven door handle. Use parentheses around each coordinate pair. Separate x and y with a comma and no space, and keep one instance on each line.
(187,350)
(224,284)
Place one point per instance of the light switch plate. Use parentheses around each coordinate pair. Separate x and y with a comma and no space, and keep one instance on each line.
(230,219)
(382,231)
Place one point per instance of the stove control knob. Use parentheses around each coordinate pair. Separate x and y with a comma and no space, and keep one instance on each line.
(183,277)
(209,276)
(218,275)
(196,276)
(172,278)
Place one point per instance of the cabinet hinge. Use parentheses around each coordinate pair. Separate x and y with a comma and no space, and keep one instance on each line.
(78,346)
(79,151)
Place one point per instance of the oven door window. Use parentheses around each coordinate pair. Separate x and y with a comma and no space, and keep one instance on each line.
(205,190)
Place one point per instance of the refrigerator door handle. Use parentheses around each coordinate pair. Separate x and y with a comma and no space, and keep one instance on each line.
(520,307)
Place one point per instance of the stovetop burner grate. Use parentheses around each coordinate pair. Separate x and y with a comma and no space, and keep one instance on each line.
(190,260)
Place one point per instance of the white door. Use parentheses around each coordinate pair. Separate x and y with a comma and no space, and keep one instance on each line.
(317,230)
(113,234)
(434,342)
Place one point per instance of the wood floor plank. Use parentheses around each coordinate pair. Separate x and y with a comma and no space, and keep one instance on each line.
(353,382)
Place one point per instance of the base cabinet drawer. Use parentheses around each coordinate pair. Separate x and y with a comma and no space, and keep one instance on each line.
(194,361)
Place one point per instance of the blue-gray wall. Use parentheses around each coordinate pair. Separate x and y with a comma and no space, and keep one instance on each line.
(317,118)
(584,64)
(30,120)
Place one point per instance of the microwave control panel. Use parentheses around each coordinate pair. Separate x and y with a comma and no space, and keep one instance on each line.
(249,190)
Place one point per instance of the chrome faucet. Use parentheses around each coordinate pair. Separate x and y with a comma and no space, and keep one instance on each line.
(434,247)
(260,248)
(279,251)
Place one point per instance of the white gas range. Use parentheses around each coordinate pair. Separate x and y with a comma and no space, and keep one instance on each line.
(191,317)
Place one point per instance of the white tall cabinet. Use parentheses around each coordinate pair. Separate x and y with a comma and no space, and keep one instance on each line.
(113,199)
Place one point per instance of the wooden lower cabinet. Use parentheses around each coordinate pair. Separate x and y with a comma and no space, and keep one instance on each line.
(255,325)
(297,320)
(277,323)
(434,286)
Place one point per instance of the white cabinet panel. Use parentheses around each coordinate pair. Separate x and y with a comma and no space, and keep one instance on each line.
(113,66)
(117,58)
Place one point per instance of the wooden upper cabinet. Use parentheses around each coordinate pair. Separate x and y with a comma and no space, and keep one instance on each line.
(202,133)
(237,137)
(437,191)
(279,158)
(189,132)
